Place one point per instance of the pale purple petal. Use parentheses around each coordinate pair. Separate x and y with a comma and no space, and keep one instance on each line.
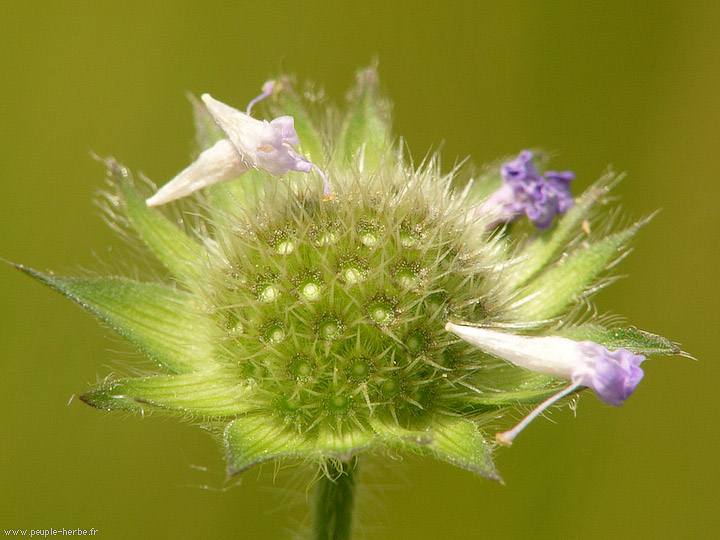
(614,375)
(286,126)
(536,201)
(269,146)
(525,191)
(559,182)
(299,163)
(261,144)
(521,169)
(500,206)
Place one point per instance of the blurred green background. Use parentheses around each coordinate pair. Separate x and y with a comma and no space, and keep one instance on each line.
(635,84)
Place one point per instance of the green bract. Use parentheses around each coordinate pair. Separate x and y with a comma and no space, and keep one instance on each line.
(313,329)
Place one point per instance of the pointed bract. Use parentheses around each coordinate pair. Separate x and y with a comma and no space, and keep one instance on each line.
(341,444)
(174,249)
(459,442)
(366,130)
(487,401)
(632,339)
(548,245)
(211,394)
(162,322)
(565,284)
(455,440)
(254,439)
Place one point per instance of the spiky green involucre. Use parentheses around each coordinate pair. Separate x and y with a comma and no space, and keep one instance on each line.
(313,327)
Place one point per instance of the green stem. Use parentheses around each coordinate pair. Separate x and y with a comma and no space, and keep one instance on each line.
(334,498)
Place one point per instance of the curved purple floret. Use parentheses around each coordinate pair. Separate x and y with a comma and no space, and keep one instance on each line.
(526,191)
(559,183)
(521,169)
(285,125)
(615,374)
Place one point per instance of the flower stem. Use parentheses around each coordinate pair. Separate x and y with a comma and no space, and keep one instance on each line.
(334,501)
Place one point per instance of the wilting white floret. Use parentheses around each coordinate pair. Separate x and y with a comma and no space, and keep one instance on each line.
(219,163)
(261,144)
(251,143)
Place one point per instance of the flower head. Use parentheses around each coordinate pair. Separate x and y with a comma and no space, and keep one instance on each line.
(297,327)
(525,191)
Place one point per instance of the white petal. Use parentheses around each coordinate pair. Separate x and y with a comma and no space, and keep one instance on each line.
(552,355)
(219,163)
(246,133)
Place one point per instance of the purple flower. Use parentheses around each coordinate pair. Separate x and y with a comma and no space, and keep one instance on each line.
(559,184)
(251,143)
(261,144)
(525,191)
(521,169)
(613,375)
